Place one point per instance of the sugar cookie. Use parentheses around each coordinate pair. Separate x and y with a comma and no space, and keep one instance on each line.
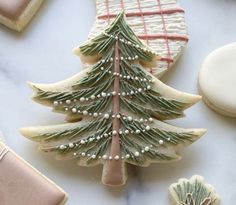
(217,80)
(193,192)
(116,108)
(16,14)
(159,23)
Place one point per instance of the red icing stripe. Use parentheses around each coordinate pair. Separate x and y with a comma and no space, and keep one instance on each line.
(160,36)
(144,25)
(168,60)
(165,31)
(146,13)
(108,12)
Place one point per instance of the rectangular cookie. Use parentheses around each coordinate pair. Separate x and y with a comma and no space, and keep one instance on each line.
(16,14)
(21,184)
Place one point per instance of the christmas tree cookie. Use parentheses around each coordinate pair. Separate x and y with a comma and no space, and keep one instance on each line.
(115,109)
(193,192)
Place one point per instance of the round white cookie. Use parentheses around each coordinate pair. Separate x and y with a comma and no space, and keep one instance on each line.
(217,80)
(158,23)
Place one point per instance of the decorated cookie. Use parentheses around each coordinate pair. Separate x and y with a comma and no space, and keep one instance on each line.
(193,192)
(21,184)
(115,107)
(158,23)
(16,14)
(217,80)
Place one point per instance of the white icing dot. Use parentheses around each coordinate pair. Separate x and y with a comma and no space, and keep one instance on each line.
(113,93)
(146,148)
(105,156)
(148,128)
(140,89)
(128,77)
(55,103)
(62,147)
(148,87)
(105,135)
(82,99)
(118,116)
(127,156)
(136,154)
(74,110)
(114,132)
(83,154)
(82,142)
(95,114)
(92,97)
(66,109)
(161,142)
(93,156)
(137,131)
(116,157)
(110,157)
(75,154)
(104,94)
(85,112)
(68,102)
(71,145)
(136,78)
(98,138)
(168,139)
(126,131)
(130,118)
(106,116)
(141,120)
(150,119)
(102,68)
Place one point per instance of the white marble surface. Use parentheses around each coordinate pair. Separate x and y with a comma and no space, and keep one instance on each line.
(42,53)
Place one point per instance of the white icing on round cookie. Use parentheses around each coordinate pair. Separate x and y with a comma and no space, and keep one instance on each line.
(159,23)
(217,80)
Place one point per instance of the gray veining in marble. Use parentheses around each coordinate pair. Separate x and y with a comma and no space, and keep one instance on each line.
(42,53)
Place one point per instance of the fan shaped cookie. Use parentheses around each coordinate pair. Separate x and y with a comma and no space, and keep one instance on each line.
(193,192)
(159,23)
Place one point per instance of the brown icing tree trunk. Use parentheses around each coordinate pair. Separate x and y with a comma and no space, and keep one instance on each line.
(113,169)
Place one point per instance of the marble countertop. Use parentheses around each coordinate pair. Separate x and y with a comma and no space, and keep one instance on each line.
(42,53)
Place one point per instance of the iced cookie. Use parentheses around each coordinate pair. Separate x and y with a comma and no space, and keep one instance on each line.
(193,192)
(16,14)
(21,184)
(217,80)
(159,23)
(117,110)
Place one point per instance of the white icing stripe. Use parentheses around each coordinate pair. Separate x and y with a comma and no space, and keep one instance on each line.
(3,152)
(168,44)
